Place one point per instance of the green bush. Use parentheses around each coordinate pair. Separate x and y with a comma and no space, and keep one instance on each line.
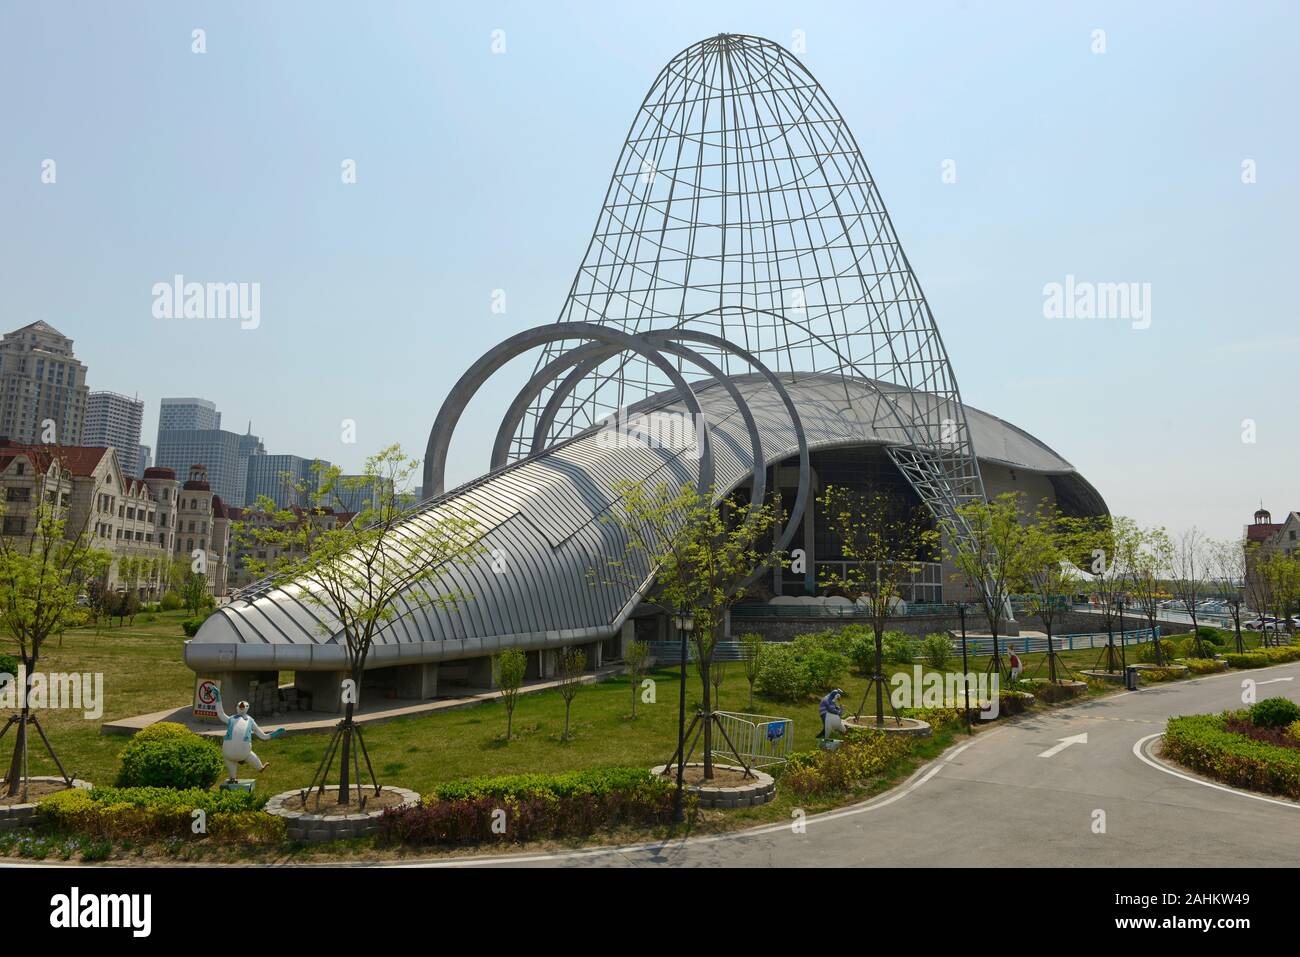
(150,814)
(171,602)
(862,653)
(1145,653)
(169,755)
(824,667)
(1160,674)
(9,665)
(1203,666)
(1251,659)
(782,674)
(862,755)
(936,649)
(595,782)
(1292,733)
(898,648)
(1203,743)
(1212,636)
(191,626)
(1274,713)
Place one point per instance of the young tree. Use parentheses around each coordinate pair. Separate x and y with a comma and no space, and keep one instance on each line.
(355,572)
(752,646)
(1259,584)
(1110,538)
(990,555)
(1189,567)
(572,663)
(1052,542)
(883,546)
(702,558)
(194,592)
(1283,573)
(41,574)
(717,676)
(1228,572)
(1147,562)
(510,667)
(635,657)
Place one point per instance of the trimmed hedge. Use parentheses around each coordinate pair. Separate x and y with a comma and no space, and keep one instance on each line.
(159,813)
(169,755)
(1203,743)
(862,755)
(1203,666)
(536,806)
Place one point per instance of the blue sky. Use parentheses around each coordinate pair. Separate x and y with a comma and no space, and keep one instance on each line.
(479,172)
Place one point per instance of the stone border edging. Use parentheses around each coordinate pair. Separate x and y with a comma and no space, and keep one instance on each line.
(318,828)
(751,794)
(24,815)
(908,727)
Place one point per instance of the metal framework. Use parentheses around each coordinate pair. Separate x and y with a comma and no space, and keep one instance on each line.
(741,206)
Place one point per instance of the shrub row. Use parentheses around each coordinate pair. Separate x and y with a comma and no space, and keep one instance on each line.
(157,813)
(1262,657)
(535,806)
(595,782)
(862,755)
(1203,743)
(1202,666)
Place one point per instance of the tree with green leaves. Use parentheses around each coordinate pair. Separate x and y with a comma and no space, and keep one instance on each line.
(702,558)
(1108,538)
(354,572)
(571,663)
(635,657)
(1148,559)
(883,545)
(510,666)
(1052,542)
(990,554)
(195,593)
(41,574)
(1283,573)
(752,647)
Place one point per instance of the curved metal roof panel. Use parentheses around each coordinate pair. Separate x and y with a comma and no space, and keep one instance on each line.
(542,517)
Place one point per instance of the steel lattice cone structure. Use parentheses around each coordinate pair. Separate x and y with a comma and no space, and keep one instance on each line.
(743,273)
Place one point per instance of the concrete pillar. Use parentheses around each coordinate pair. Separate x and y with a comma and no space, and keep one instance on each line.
(480,673)
(417,682)
(325,688)
(594,656)
(548,659)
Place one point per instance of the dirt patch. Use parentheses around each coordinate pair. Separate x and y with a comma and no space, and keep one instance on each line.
(328,805)
(723,777)
(35,791)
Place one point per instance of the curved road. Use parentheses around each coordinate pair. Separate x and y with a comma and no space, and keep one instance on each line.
(992,801)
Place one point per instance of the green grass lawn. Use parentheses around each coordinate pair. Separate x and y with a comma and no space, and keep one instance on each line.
(143,672)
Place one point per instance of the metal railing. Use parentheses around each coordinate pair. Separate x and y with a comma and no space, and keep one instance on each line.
(759,739)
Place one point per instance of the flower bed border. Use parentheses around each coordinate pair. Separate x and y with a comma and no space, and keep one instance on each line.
(317,828)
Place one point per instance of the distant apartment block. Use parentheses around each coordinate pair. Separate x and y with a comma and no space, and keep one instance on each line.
(181,414)
(42,387)
(113,421)
(224,454)
(280,478)
(146,458)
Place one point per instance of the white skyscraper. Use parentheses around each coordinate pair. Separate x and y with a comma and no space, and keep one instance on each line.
(113,421)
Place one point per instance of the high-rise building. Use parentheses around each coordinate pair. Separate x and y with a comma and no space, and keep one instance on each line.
(113,421)
(42,387)
(187,413)
(224,454)
(278,477)
(146,458)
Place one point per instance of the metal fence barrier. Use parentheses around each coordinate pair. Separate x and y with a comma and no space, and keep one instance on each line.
(760,740)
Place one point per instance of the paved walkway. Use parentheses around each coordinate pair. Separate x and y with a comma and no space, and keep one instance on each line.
(1018,795)
(306,722)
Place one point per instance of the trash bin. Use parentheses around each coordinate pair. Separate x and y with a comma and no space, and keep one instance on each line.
(1131,678)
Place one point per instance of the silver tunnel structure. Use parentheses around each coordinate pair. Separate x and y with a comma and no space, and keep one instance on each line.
(542,518)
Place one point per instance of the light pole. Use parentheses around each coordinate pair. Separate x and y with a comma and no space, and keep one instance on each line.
(685,625)
(965,669)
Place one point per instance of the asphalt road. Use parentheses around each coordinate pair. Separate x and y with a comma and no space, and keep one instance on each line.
(993,801)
